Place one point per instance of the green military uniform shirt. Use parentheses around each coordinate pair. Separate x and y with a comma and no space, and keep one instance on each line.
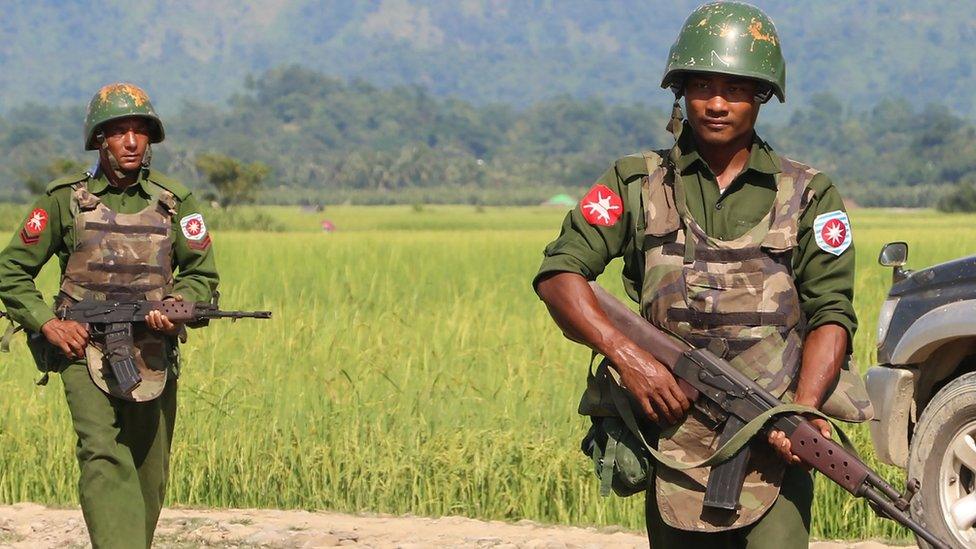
(21,261)
(825,281)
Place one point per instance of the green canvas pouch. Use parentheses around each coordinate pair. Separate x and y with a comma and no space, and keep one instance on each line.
(620,461)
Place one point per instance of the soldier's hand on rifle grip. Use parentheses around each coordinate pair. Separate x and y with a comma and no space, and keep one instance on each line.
(69,336)
(159,322)
(652,384)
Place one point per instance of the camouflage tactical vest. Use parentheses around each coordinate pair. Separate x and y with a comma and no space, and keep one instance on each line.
(123,256)
(738,299)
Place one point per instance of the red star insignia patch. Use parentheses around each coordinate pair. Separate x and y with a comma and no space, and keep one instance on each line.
(601,206)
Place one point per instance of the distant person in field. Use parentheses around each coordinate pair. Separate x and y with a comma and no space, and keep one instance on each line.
(726,245)
(119,231)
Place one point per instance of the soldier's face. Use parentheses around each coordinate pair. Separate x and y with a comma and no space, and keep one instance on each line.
(722,109)
(126,139)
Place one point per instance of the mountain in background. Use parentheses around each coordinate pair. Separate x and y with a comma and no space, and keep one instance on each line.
(485,51)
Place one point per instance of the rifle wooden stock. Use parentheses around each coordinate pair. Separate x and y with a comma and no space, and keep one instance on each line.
(663,347)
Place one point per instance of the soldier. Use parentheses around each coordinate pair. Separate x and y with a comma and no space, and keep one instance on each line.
(729,246)
(119,231)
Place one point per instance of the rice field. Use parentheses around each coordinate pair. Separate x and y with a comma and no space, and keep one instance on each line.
(409,368)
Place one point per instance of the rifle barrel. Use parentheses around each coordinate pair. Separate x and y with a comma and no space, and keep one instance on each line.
(238,314)
(889,509)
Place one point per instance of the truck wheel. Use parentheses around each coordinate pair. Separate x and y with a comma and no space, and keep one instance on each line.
(943,459)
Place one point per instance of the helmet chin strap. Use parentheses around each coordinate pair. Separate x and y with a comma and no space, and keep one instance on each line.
(764,94)
(677,117)
(675,125)
(147,157)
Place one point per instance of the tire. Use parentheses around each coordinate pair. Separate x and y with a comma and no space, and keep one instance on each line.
(943,458)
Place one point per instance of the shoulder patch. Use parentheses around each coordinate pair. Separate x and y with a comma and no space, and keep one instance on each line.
(832,231)
(34,226)
(65,181)
(194,227)
(195,231)
(601,206)
(179,190)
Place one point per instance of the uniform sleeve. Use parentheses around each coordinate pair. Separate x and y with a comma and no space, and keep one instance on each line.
(587,242)
(825,281)
(22,259)
(196,269)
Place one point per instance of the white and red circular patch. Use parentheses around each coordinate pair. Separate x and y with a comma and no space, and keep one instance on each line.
(194,227)
(601,206)
(832,232)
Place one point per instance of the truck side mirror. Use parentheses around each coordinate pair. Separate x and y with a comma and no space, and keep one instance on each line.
(894,254)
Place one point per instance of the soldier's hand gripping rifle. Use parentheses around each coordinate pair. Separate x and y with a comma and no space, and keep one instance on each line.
(725,394)
(114,320)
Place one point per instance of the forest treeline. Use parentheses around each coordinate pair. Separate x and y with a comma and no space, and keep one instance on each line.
(327,140)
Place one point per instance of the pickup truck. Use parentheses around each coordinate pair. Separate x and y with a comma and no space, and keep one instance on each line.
(924,389)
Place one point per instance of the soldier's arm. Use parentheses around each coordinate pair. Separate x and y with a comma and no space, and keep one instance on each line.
(825,282)
(37,238)
(21,261)
(196,270)
(591,236)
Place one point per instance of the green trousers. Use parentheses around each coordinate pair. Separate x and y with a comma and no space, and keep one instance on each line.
(785,526)
(123,453)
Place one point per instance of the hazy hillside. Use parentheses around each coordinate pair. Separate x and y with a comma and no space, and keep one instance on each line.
(330,140)
(509,51)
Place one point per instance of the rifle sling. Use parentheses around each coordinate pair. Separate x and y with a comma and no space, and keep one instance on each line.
(621,401)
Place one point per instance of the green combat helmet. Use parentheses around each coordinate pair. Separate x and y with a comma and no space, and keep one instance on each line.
(116,101)
(728,38)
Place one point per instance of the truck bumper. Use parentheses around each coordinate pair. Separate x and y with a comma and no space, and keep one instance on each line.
(891,391)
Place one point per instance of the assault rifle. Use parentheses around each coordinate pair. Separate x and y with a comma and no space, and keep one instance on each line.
(726,395)
(114,320)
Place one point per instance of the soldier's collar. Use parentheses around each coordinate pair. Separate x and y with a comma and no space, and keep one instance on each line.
(762,159)
(100,184)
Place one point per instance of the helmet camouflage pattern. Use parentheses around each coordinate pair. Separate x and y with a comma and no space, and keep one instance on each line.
(116,101)
(729,38)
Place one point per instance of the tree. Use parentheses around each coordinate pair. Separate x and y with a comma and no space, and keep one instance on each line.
(962,198)
(235,181)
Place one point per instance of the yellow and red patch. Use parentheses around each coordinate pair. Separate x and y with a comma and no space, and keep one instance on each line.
(601,206)
(135,93)
(34,226)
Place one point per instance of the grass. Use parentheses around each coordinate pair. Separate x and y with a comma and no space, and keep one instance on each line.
(409,369)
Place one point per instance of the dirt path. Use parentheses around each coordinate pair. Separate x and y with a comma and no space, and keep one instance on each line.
(27,525)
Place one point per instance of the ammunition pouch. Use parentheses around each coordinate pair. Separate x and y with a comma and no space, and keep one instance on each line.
(619,458)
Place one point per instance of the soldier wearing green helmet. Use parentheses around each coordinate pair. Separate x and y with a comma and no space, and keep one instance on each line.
(120,230)
(726,245)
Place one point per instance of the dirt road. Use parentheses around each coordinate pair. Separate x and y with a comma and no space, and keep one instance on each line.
(27,525)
